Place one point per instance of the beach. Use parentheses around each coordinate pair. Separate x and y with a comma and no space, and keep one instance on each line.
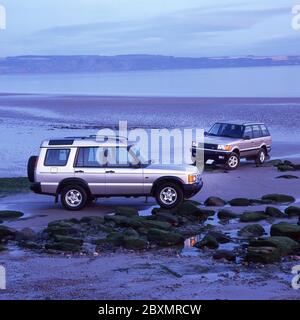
(170,273)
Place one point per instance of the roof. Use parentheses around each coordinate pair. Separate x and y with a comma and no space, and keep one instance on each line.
(240,122)
(91,141)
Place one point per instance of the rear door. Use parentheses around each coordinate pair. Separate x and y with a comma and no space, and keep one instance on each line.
(90,166)
(123,175)
(257,140)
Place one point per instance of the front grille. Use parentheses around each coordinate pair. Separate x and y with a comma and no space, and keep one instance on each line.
(210,146)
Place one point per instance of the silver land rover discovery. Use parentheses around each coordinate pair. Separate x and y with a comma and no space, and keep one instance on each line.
(80,169)
(228,142)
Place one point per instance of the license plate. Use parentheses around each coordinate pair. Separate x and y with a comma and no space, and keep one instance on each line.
(210,161)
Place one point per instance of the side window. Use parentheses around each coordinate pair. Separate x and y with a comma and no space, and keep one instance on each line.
(264,130)
(248,132)
(119,157)
(256,131)
(92,157)
(56,157)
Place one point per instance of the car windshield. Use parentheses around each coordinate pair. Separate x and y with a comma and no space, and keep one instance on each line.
(226,130)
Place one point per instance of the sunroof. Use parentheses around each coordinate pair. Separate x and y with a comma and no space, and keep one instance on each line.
(65,142)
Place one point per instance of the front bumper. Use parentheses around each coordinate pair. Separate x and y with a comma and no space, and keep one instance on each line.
(189,190)
(216,155)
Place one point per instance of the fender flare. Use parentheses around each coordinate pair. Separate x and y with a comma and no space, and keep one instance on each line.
(73,181)
(165,179)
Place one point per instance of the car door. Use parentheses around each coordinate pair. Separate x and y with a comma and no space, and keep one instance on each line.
(123,175)
(246,144)
(90,166)
(257,139)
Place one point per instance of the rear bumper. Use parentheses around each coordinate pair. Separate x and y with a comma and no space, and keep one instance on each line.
(189,190)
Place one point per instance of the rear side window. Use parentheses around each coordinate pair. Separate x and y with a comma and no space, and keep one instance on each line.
(91,157)
(56,157)
(264,130)
(256,131)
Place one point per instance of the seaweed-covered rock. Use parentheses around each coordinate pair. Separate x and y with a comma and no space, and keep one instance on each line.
(285,168)
(10,215)
(131,233)
(68,239)
(93,220)
(208,241)
(285,245)
(292,211)
(214,202)
(7,233)
(274,212)
(134,222)
(166,215)
(188,208)
(287,176)
(126,211)
(30,245)
(62,230)
(2,248)
(64,223)
(227,214)
(278,198)
(115,238)
(252,230)
(164,238)
(220,237)
(157,224)
(240,202)
(253,216)
(284,229)
(263,255)
(26,234)
(132,243)
(275,162)
(225,254)
(63,246)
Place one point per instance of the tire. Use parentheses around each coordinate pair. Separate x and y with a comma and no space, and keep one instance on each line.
(74,197)
(169,190)
(261,156)
(31,168)
(233,161)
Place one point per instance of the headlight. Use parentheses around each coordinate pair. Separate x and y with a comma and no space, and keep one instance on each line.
(224,148)
(192,178)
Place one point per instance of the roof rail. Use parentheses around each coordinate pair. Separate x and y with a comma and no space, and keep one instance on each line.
(98,136)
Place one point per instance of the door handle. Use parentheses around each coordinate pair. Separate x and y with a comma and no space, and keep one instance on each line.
(79,171)
(110,171)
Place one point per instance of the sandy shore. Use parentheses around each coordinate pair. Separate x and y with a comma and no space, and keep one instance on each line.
(127,275)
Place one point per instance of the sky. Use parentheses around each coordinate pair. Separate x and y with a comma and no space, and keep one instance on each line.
(193,28)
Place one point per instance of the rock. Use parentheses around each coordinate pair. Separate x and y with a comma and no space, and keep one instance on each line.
(285,168)
(219,236)
(214,202)
(225,254)
(2,248)
(7,233)
(275,162)
(292,211)
(263,255)
(252,230)
(134,243)
(188,208)
(10,215)
(65,223)
(167,217)
(253,216)
(115,238)
(131,233)
(163,225)
(62,230)
(284,229)
(68,239)
(274,212)
(227,214)
(63,246)
(240,202)
(93,220)
(136,222)
(164,238)
(30,245)
(287,176)
(208,241)
(278,198)
(26,234)
(126,211)
(285,245)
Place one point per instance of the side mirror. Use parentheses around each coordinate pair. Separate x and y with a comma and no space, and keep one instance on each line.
(247,137)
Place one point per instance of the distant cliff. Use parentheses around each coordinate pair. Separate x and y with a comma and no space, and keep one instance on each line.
(71,64)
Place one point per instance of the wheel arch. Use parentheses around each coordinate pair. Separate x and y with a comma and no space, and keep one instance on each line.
(236,150)
(161,180)
(73,181)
